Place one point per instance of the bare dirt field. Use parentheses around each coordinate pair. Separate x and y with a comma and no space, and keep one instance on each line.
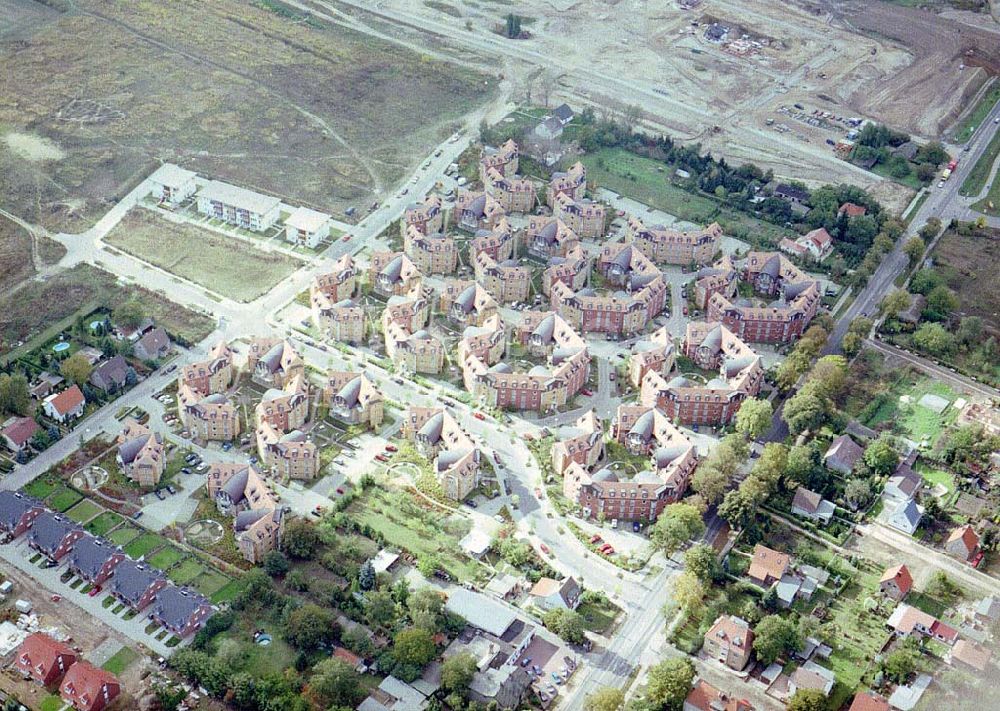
(298,109)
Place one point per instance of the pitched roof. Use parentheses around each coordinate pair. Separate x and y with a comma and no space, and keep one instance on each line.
(843,451)
(966,534)
(732,628)
(812,676)
(114,370)
(705,697)
(85,682)
(49,531)
(13,505)
(41,649)
(768,563)
(806,500)
(66,401)
(900,574)
(21,430)
(868,701)
(906,617)
(90,553)
(175,606)
(153,341)
(132,580)
(975,655)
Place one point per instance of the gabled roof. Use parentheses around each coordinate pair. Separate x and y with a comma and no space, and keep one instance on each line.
(768,563)
(132,580)
(66,401)
(50,530)
(705,697)
(85,683)
(13,506)
(844,452)
(89,555)
(868,701)
(901,575)
(967,535)
(21,430)
(176,606)
(806,500)
(975,655)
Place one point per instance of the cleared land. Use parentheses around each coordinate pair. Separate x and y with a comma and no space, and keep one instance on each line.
(225,265)
(971,264)
(16,260)
(297,109)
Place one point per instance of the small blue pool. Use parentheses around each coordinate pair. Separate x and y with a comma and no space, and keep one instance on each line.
(60,347)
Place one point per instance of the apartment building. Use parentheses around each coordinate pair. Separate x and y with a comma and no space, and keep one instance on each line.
(784,319)
(729,641)
(209,418)
(427,216)
(580,443)
(439,437)
(334,311)
(667,246)
(393,273)
(467,303)
(417,352)
(477,210)
(585,217)
(210,376)
(498,242)
(307,228)
(720,278)
(571,183)
(514,193)
(655,354)
(238,206)
(286,408)
(572,270)
(486,343)
(354,398)
(507,281)
(717,401)
(336,285)
(172,184)
(273,362)
(258,520)
(433,253)
(548,237)
(288,456)
(504,159)
(141,455)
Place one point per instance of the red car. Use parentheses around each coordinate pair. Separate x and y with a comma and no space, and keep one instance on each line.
(479,415)
(685,310)
(381,458)
(95,590)
(340,491)
(596,538)
(391,448)
(606,549)
(347,238)
(545,549)
(586,392)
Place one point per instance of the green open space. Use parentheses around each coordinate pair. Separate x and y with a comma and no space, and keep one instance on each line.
(52,702)
(144,545)
(166,557)
(103,523)
(226,593)
(63,499)
(41,487)
(210,582)
(935,476)
(963,131)
(649,181)
(84,511)
(980,173)
(205,257)
(185,571)
(120,660)
(124,534)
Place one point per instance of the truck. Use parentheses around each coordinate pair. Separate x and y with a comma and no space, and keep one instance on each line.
(23,606)
(952,164)
(946,173)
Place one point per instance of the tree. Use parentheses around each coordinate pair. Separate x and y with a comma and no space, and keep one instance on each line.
(605,699)
(754,417)
(380,609)
(934,339)
(930,230)
(700,560)
(858,493)
(710,482)
(851,343)
(925,172)
(914,249)
(275,564)
(425,608)
(568,624)
(880,456)
(357,640)
(805,410)
(970,330)
(895,302)
(14,394)
(932,152)
(129,314)
(737,509)
(669,683)
(335,683)
(300,539)
(901,662)
(311,626)
(807,700)
(775,636)
(76,368)
(689,591)
(941,301)
(413,645)
(830,375)
(366,576)
(457,672)
(800,463)
(769,468)
(678,524)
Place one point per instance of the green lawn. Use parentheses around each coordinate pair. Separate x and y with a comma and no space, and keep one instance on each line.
(62,499)
(41,487)
(166,557)
(964,130)
(123,535)
(936,476)
(210,582)
(642,179)
(980,172)
(226,593)
(144,545)
(51,703)
(185,571)
(84,511)
(103,523)
(597,617)
(121,660)
(990,205)
(207,258)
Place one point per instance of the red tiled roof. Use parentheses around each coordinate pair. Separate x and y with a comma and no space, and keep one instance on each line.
(68,400)
(942,629)
(852,210)
(706,697)
(968,536)
(975,655)
(83,682)
(21,430)
(42,650)
(869,701)
(768,563)
(901,574)
(347,656)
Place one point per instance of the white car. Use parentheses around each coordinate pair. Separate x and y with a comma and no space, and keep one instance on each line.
(941,184)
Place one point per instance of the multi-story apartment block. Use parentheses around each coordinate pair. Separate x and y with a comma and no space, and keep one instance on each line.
(573,270)
(782,321)
(643,294)
(427,217)
(729,641)
(486,343)
(342,321)
(417,352)
(585,217)
(337,284)
(720,278)
(667,246)
(141,455)
(477,210)
(515,194)
(210,376)
(717,401)
(438,436)
(209,418)
(172,184)
(582,443)
(504,159)
(656,354)
(354,398)
(273,362)
(411,311)
(572,183)
(393,273)
(467,303)
(499,242)
(507,281)
(636,496)
(548,237)
(258,520)
(238,206)
(288,456)
(433,253)
(307,228)
(287,408)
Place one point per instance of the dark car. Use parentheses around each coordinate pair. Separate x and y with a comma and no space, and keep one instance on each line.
(472,504)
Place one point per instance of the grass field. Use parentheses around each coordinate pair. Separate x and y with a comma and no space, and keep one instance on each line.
(124,535)
(166,557)
(41,487)
(121,660)
(935,476)
(63,499)
(968,263)
(980,172)
(185,571)
(962,132)
(227,266)
(104,523)
(144,545)
(235,91)
(640,178)
(84,511)
(226,593)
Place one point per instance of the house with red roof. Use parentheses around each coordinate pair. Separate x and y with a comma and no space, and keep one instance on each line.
(896,582)
(767,566)
(87,688)
(963,543)
(18,433)
(705,697)
(852,210)
(43,659)
(66,405)
(868,701)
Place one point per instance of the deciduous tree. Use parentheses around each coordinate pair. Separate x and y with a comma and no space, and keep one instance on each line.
(669,682)
(754,417)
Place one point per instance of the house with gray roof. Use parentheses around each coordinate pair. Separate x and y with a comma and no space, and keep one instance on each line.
(808,504)
(181,610)
(843,454)
(111,375)
(54,535)
(136,584)
(17,512)
(905,516)
(94,559)
(154,345)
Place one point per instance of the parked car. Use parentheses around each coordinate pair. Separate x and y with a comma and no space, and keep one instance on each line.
(340,491)
(391,448)
(159,494)
(381,458)
(526,661)
(94,591)
(479,415)
(596,538)
(586,392)
(185,470)
(545,549)
(471,503)
(171,489)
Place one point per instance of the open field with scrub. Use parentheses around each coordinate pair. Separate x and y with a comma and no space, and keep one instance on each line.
(232,89)
(226,265)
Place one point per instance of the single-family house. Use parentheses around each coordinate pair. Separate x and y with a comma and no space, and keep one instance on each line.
(768,566)
(43,658)
(181,610)
(843,455)
(868,701)
(812,676)
(153,345)
(47,382)
(17,433)
(908,621)
(87,688)
(905,516)
(808,504)
(66,405)
(53,535)
(705,697)
(551,594)
(94,559)
(394,694)
(970,654)
(729,641)
(963,543)
(988,609)
(111,375)
(141,454)
(906,696)
(896,582)
(17,512)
